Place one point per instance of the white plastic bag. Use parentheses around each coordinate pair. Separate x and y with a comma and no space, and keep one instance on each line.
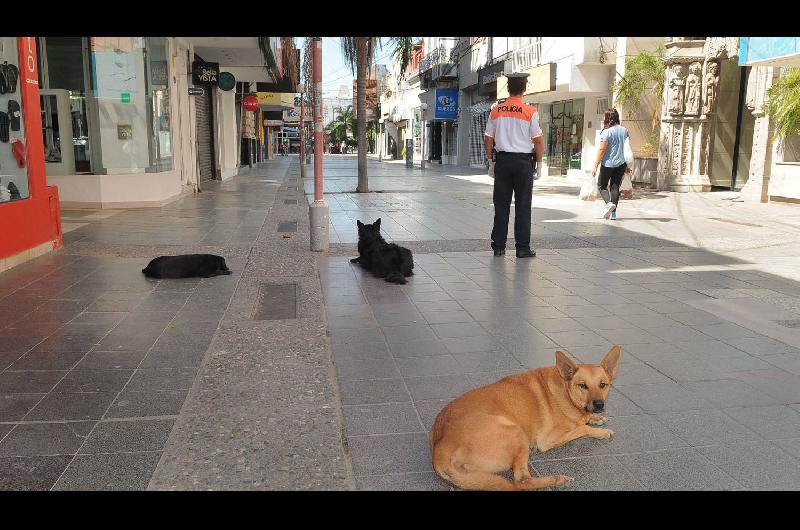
(626,188)
(590,190)
(628,152)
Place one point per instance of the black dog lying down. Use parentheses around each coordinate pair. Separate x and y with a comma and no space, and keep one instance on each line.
(385,260)
(186,266)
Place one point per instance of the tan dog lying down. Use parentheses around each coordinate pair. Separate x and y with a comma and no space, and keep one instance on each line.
(492,429)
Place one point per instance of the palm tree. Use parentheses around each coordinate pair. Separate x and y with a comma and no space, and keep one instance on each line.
(359,53)
(343,124)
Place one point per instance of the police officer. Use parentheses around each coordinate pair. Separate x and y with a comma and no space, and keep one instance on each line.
(513,130)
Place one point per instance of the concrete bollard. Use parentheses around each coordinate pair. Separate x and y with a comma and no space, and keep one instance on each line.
(318,214)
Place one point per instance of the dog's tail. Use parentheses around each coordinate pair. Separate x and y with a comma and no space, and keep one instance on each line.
(396,277)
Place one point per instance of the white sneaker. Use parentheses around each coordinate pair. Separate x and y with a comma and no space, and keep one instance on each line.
(610,207)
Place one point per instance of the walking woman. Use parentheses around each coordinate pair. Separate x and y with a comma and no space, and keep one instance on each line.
(611,159)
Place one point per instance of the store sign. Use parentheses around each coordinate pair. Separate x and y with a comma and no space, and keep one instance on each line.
(125,97)
(125,131)
(250,103)
(283,99)
(273,123)
(205,73)
(541,78)
(196,91)
(292,115)
(446,104)
(487,78)
(226,81)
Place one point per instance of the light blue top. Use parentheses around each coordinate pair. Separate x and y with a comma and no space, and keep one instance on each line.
(615,150)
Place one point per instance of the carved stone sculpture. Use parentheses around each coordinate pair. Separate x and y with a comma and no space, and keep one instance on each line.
(693,88)
(677,87)
(711,86)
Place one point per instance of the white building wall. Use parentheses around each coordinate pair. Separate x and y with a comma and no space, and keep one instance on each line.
(227,139)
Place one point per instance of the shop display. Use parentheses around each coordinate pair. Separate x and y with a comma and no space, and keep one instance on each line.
(14,114)
(13,157)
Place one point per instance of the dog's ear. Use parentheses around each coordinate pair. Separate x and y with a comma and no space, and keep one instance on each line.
(359,223)
(565,366)
(611,361)
(377,224)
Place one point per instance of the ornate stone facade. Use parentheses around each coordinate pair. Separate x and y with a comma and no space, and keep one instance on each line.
(687,121)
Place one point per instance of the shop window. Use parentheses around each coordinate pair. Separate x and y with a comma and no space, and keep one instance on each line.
(13,179)
(157,82)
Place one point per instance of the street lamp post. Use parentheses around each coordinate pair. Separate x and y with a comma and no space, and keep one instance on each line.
(318,210)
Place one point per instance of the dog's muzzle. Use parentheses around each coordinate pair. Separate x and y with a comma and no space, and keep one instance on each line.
(598,405)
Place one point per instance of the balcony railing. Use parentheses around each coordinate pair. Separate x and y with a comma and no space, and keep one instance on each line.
(527,57)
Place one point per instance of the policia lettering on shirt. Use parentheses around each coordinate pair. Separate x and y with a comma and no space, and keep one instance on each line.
(513,130)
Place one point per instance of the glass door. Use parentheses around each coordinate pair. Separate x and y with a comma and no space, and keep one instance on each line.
(565,136)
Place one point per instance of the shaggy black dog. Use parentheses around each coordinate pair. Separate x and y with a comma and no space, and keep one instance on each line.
(186,266)
(385,260)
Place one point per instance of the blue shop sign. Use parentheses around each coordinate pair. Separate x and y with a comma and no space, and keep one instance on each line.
(446,104)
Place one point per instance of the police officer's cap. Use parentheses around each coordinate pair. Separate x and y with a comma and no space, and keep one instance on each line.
(518,75)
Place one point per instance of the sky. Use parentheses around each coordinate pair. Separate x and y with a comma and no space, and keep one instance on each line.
(335,71)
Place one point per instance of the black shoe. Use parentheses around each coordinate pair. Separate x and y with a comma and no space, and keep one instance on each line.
(499,252)
(526,253)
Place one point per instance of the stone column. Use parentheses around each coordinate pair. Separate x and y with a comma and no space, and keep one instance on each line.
(757,186)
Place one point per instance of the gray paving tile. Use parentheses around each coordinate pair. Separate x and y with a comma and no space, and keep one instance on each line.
(373,391)
(679,333)
(458,330)
(397,334)
(45,439)
(29,382)
(785,361)
(547,325)
(576,338)
(429,409)
(13,407)
(385,418)
(634,434)
(493,361)
(761,346)
(146,404)
(600,473)
(106,472)
(110,360)
(33,473)
(438,387)
(428,366)
(678,469)
(791,446)
(781,386)
(47,360)
(755,463)
(487,378)
(638,373)
(706,427)
(730,393)
(128,436)
(725,331)
(771,422)
(366,369)
(71,406)
(447,317)
(619,405)
(353,351)
(472,344)
(157,379)
(93,381)
(391,453)
(662,397)
(420,481)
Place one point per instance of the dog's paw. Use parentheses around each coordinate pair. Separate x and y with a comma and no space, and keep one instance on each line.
(597,419)
(603,434)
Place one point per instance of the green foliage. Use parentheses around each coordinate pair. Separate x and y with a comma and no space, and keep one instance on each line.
(644,72)
(341,125)
(783,103)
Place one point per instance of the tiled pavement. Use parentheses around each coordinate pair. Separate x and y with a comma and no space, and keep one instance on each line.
(96,362)
(95,359)
(692,408)
(708,393)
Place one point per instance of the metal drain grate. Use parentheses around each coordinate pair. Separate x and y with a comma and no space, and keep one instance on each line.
(290,201)
(277,302)
(287,226)
(291,188)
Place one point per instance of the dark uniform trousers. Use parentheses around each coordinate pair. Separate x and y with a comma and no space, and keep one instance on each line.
(513,172)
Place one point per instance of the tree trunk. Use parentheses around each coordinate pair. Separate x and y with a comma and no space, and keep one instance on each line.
(361,117)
